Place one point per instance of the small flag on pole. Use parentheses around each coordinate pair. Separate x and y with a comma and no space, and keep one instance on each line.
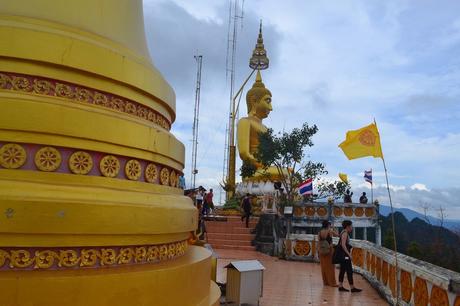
(368,176)
(306,188)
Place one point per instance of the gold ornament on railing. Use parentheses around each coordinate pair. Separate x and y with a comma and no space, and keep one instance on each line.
(48,159)
(133,170)
(406,286)
(164,176)
(80,162)
(12,156)
(109,166)
(68,258)
(151,173)
(420,292)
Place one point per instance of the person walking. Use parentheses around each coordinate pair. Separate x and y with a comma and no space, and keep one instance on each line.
(199,199)
(246,208)
(342,256)
(182,181)
(209,201)
(325,251)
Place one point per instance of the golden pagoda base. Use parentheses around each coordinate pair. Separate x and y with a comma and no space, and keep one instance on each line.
(90,208)
(176,282)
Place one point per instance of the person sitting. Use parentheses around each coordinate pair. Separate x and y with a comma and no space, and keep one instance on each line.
(347,197)
(363,198)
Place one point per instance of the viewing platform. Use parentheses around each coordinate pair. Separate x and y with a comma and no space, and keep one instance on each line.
(293,276)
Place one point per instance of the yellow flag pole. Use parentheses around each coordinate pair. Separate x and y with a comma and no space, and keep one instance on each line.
(395,246)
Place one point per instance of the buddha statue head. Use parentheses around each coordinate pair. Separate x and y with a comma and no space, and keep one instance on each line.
(259,99)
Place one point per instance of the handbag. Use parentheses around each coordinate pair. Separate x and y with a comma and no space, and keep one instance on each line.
(339,254)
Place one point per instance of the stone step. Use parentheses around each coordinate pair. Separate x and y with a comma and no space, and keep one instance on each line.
(227,236)
(234,247)
(229,242)
(229,230)
(239,223)
(238,219)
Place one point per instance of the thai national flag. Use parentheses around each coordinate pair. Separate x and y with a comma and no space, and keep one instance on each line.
(306,187)
(368,176)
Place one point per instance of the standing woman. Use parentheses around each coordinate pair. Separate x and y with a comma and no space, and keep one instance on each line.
(325,250)
(343,256)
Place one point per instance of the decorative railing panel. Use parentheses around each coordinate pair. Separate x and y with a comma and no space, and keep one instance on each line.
(418,282)
(312,214)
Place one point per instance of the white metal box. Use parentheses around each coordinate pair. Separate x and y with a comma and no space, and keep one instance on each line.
(244,282)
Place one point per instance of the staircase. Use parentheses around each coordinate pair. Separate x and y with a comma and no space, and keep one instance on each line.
(231,233)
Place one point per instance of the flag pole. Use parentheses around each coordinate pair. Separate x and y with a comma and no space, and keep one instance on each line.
(395,247)
(372,187)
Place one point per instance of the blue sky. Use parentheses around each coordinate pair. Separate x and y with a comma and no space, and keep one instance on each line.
(337,64)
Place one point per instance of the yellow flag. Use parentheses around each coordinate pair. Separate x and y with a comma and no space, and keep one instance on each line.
(362,142)
(343,177)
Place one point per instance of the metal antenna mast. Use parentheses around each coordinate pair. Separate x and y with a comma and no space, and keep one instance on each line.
(199,60)
(235,17)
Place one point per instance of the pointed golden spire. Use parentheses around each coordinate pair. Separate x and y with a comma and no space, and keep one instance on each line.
(258,82)
(258,77)
(259,59)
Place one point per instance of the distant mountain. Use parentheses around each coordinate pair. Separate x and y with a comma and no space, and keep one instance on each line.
(412,214)
(421,240)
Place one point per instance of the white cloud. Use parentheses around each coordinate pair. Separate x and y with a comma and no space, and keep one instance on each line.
(419,186)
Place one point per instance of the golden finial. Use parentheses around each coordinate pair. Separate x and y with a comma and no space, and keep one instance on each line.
(259,59)
(258,82)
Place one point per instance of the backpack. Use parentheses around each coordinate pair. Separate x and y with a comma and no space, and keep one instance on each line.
(324,248)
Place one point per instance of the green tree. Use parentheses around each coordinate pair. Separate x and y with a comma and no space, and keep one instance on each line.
(414,250)
(388,240)
(287,152)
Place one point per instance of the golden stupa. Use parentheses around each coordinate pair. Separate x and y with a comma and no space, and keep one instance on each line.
(90,209)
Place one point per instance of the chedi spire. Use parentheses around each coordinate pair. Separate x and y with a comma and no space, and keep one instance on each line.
(259,59)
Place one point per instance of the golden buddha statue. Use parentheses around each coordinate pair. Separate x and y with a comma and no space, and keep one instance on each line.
(259,102)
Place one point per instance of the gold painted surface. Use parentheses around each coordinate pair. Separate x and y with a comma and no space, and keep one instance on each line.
(321,211)
(392,279)
(80,162)
(143,284)
(12,156)
(75,93)
(302,248)
(348,211)
(457,301)
(421,297)
(80,78)
(95,257)
(406,286)
(385,273)
(338,211)
(439,297)
(47,159)
(359,211)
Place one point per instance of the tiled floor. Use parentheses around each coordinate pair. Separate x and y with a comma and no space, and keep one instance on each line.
(288,283)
